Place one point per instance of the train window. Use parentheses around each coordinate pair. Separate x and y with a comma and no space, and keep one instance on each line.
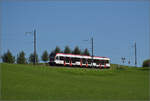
(84,61)
(73,60)
(89,61)
(61,58)
(102,62)
(67,59)
(96,61)
(77,59)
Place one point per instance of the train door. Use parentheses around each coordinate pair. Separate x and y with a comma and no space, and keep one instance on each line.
(70,61)
(86,62)
(64,61)
(80,62)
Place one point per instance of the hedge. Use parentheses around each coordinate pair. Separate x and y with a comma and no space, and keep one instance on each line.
(146,63)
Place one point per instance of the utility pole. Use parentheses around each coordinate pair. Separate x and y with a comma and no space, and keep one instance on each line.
(92,47)
(34,47)
(135,55)
(92,51)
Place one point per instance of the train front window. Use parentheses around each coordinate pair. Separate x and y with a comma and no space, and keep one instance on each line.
(106,61)
(57,58)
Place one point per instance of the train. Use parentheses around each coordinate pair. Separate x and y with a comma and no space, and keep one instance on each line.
(74,60)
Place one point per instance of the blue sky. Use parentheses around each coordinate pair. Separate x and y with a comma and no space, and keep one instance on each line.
(115,27)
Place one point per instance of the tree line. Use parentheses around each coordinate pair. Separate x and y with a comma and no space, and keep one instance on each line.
(21,59)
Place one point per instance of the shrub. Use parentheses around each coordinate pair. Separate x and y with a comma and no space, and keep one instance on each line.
(146,63)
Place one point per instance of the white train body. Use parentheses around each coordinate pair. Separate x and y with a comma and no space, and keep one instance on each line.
(79,60)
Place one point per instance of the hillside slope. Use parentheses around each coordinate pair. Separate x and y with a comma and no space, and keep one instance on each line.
(27,82)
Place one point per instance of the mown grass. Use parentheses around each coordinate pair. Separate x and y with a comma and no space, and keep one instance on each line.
(27,82)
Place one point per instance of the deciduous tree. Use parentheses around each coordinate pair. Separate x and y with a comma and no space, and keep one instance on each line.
(146,63)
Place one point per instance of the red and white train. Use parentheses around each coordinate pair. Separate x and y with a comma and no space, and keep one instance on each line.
(79,60)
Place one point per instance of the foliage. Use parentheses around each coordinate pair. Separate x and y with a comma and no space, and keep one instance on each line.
(45,56)
(32,59)
(52,53)
(146,63)
(8,57)
(86,52)
(67,49)
(21,58)
(76,50)
(57,50)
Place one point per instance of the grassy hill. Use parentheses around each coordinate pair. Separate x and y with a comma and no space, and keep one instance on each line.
(27,82)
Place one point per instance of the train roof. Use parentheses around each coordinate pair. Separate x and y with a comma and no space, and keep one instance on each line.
(80,55)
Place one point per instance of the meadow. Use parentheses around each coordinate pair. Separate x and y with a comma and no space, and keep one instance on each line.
(28,82)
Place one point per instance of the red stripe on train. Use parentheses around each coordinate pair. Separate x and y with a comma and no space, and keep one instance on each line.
(64,63)
(86,64)
(81,63)
(100,66)
(105,66)
(70,62)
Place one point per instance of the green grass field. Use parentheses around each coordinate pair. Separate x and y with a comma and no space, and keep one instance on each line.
(27,82)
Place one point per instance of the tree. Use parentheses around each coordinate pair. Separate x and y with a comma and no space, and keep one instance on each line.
(146,63)
(8,57)
(52,53)
(45,56)
(57,50)
(67,49)
(76,50)
(31,58)
(86,52)
(21,58)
